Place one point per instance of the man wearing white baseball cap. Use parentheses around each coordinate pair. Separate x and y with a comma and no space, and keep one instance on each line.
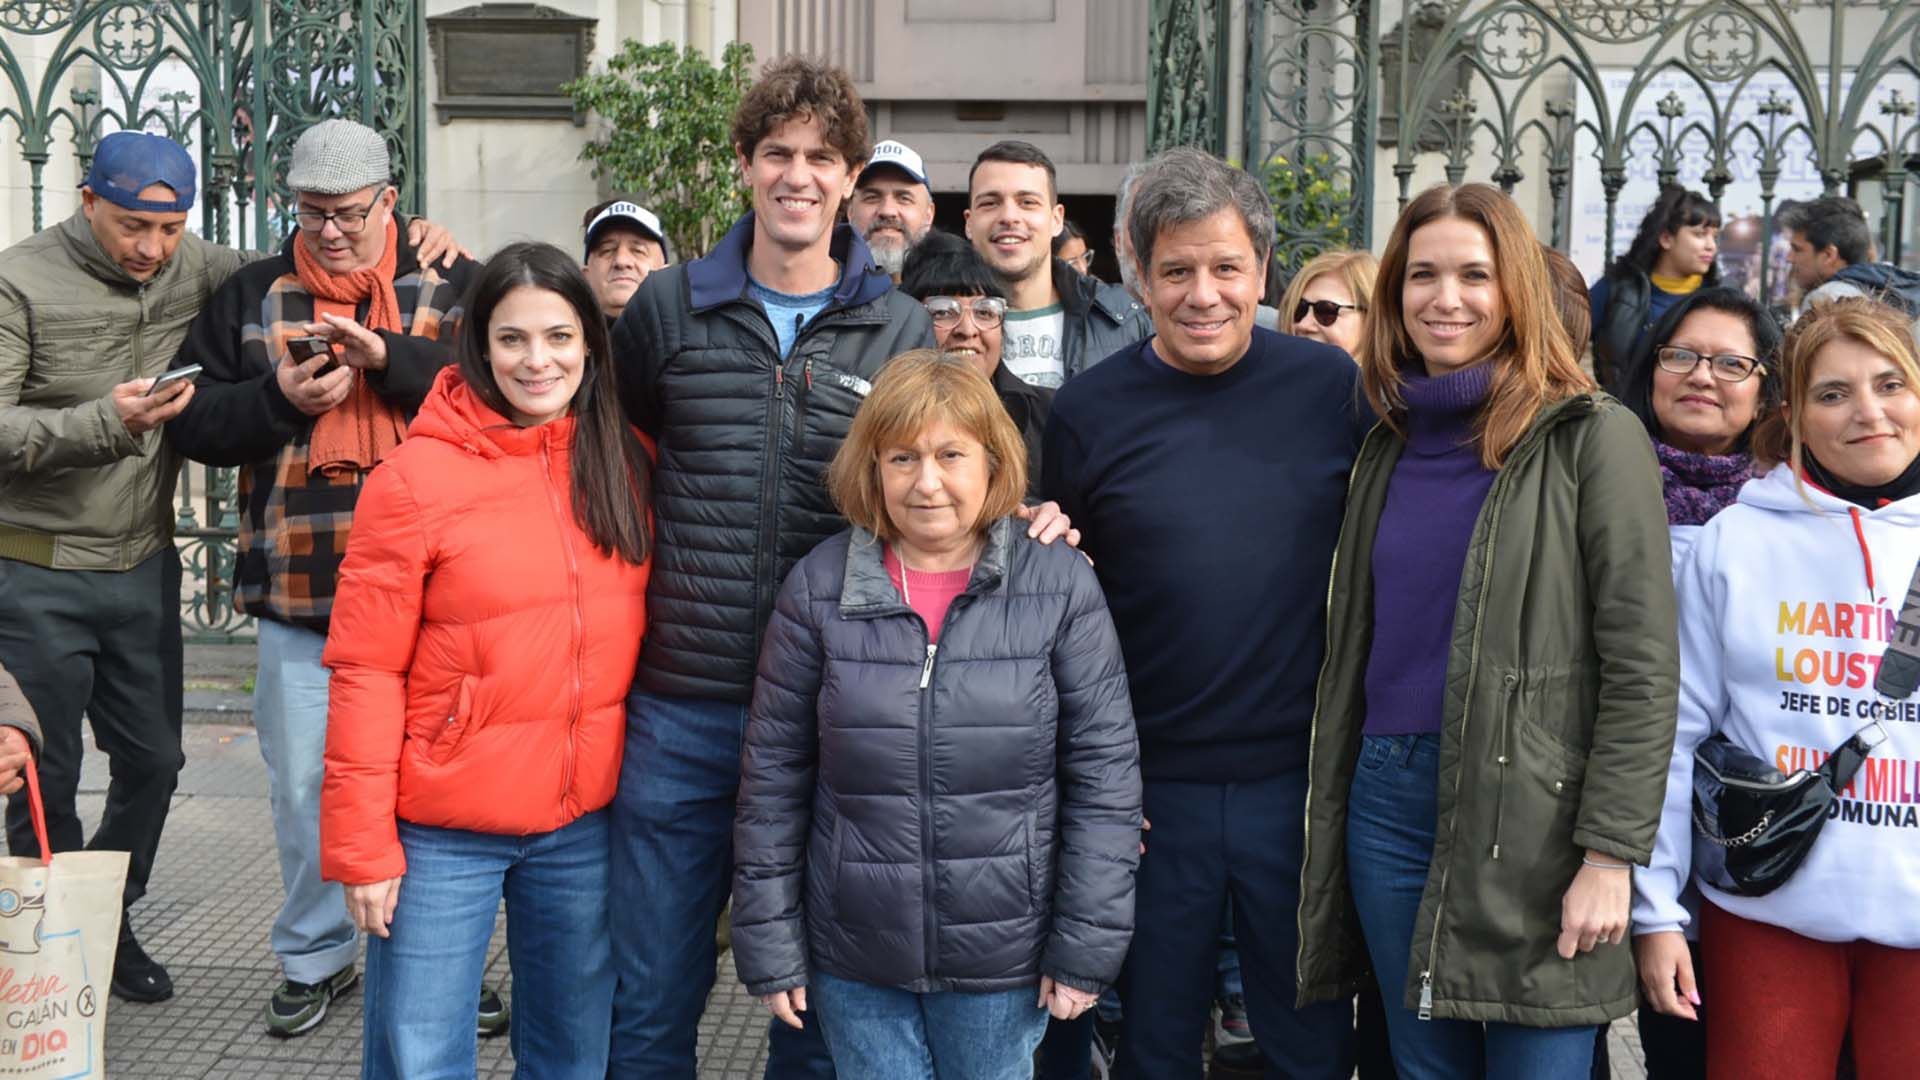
(892,206)
(625,243)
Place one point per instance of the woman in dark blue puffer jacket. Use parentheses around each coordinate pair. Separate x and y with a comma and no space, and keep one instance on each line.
(939,814)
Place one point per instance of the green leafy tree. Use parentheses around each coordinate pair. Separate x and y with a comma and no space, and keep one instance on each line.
(1312,201)
(668,112)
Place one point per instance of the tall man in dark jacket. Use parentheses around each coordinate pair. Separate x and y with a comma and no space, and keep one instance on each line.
(1207,467)
(1059,322)
(745,366)
(306,431)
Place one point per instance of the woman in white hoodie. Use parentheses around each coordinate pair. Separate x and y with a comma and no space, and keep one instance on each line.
(1786,603)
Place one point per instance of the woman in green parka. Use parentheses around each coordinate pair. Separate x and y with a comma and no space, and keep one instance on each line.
(1496,709)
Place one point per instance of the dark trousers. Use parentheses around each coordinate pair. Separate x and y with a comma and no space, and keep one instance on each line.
(671,872)
(1209,842)
(106,645)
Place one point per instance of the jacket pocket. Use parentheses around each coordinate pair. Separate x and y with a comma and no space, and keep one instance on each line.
(1036,886)
(459,722)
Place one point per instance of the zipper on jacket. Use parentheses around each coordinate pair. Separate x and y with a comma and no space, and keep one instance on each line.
(579,629)
(926,673)
(800,398)
(766,558)
(1473,667)
(1505,758)
(1313,722)
(926,780)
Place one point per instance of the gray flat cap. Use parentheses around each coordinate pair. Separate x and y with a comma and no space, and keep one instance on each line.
(334,157)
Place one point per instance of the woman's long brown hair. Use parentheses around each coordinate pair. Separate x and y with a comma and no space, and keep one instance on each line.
(1534,361)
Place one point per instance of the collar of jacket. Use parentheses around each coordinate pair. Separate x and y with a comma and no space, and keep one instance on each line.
(1080,293)
(405,260)
(76,235)
(720,276)
(866,591)
(1551,415)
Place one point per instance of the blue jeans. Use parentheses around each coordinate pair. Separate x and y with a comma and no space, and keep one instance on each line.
(1202,851)
(313,936)
(422,980)
(1390,825)
(672,870)
(879,1033)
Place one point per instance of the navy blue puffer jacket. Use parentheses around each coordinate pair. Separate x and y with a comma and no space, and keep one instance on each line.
(960,817)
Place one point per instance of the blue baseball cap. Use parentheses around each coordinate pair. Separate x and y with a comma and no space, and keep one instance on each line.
(126,163)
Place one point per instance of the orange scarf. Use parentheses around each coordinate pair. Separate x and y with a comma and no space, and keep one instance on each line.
(354,435)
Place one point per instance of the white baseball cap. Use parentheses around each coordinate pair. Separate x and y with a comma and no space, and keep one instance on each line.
(628,215)
(897,155)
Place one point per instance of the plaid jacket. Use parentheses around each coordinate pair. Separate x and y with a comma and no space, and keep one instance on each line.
(295,523)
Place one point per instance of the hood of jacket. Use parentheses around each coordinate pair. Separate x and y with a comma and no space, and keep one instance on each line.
(720,276)
(454,414)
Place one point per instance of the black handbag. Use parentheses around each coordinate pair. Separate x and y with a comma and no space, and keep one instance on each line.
(1752,826)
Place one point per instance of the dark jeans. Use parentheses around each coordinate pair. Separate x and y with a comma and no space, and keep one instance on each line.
(106,645)
(672,870)
(1390,831)
(1209,842)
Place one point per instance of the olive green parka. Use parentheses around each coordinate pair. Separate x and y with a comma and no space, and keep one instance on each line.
(1558,723)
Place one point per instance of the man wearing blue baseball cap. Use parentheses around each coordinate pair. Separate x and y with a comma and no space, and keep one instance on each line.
(92,310)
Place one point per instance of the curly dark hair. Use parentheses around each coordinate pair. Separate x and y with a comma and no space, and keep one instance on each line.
(802,88)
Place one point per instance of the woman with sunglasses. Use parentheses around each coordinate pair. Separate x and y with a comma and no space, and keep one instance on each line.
(1327,300)
(1495,709)
(969,308)
(1787,600)
(1699,383)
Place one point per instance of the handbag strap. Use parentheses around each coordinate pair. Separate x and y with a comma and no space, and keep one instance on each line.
(39,810)
(1841,765)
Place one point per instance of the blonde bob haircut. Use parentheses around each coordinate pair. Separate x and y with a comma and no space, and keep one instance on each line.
(915,391)
(1779,435)
(1356,268)
(1534,362)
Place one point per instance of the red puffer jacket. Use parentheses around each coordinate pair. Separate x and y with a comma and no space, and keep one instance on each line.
(480,646)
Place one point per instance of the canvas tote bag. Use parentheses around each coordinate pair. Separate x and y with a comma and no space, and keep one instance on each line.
(59,926)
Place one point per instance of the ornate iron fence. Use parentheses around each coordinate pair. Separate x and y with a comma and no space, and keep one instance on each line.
(235,81)
(1584,107)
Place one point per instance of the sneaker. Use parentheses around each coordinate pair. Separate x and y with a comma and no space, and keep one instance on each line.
(494,1017)
(138,977)
(297,1008)
(1233,1045)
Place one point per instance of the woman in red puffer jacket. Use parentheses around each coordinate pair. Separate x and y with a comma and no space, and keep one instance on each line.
(489,613)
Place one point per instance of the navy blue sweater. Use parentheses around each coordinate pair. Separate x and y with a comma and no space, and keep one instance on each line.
(1210,506)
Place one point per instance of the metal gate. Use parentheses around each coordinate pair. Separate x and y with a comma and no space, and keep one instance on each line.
(235,81)
(1580,108)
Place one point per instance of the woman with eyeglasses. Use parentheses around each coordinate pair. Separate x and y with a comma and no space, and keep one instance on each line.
(1787,600)
(1699,383)
(969,308)
(1327,300)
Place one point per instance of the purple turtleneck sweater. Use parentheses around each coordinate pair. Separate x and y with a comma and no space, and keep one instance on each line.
(1433,499)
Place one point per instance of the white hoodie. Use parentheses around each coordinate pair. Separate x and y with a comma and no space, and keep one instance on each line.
(1786,601)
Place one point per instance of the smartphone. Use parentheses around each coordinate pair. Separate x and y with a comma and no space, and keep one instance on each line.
(304,349)
(171,377)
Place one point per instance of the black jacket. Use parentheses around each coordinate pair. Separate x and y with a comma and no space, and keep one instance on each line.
(1101,319)
(960,818)
(744,442)
(1028,405)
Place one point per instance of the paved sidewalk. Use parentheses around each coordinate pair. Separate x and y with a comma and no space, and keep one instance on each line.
(212,901)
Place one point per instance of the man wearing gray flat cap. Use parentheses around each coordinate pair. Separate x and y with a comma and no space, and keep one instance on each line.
(315,361)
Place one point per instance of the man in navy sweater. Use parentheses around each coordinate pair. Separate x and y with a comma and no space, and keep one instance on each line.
(1207,470)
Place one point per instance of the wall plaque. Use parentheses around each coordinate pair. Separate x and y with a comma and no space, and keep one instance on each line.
(508,61)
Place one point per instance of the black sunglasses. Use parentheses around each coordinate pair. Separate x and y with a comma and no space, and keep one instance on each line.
(1325,312)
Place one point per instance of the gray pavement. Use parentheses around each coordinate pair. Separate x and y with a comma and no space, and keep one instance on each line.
(212,901)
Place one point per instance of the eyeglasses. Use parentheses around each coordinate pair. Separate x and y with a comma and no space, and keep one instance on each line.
(349,221)
(987,311)
(1726,367)
(1082,263)
(1325,312)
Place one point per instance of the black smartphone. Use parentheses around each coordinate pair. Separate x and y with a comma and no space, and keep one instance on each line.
(304,349)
